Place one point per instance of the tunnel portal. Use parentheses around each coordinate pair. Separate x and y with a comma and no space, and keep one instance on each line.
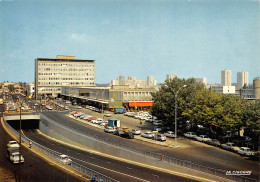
(28,122)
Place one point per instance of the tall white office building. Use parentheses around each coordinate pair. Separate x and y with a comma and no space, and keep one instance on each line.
(242,79)
(226,78)
(171,76)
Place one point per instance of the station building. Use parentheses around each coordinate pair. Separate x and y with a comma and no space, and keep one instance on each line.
(110,97)
(51,74)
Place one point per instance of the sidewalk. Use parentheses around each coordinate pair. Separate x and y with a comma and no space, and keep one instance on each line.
(6,175)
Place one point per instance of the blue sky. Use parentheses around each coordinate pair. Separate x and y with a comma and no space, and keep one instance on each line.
(193,38)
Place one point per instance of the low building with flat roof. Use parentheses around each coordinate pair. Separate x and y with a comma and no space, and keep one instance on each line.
(110,97)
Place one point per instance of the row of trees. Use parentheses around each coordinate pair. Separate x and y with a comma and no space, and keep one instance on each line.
(199,106)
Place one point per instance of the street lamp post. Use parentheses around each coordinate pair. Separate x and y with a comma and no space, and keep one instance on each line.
(20,139)
(176,114)
(102,105)
(175,121)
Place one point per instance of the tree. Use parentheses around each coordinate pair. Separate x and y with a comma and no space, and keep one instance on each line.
(11,88)
(251,119)
(164,99)
(218,112)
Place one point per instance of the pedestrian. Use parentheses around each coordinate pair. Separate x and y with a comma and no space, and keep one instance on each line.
(30,144)
(101,180)
(94,178)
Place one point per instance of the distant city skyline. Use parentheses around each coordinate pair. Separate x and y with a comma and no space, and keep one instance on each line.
(192,38)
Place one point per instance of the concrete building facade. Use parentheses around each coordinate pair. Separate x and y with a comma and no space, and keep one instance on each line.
(30,89)
(256,86)
(226,78)
(109,97)
(133,83)
(242,79)
(53,73)
(201,80)
(171,76)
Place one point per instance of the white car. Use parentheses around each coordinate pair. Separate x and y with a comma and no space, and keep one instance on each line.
(190,135)
(103,123)
(148,134)
(79,107)
(94,121)
(136,132)
(12,144)
(245,151)
(160,137)
(14,157)
(109,130)
(97,121)
(203,138)
(229,146)
(170,134)
(157,122)
(107,114)
(64,159)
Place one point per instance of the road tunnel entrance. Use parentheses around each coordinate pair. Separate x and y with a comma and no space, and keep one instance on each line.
(28,122)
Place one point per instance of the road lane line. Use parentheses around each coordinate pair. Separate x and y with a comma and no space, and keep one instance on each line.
(124,174)
(137,163)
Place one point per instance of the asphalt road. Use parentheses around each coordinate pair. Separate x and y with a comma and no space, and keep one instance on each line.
(115,169)
(33,169)
(194,151)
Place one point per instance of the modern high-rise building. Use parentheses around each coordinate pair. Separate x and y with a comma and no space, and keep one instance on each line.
(201,80)
(242,79)
(171,76)
(226,78)
(133,83)
(64,71)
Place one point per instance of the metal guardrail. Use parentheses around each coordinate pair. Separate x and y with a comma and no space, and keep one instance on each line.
(171,160)
(55,155)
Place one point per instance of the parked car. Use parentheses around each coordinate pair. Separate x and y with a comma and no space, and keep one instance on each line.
(190,135)
(82,116)
(160,137)
(109,130)
(202,138)
(214,142)
(107,114)
(245,151)
(157,122)
(103,123)
(147,134)
(229,146)
(79,107)
(64,159)
(96,121)
(157,128)
(170,134)
(91,118)
(136,132)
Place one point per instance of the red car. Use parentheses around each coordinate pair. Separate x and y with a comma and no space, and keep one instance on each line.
(92,118)
(74,113)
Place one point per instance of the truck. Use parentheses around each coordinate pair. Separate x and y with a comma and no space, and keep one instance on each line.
(124,132)
(13,155)
(119,110)
(114,123)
